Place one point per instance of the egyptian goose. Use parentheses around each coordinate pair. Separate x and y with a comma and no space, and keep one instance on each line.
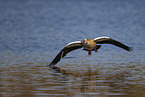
(87,45)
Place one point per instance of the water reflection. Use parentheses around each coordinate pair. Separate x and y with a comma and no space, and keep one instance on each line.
(94,83)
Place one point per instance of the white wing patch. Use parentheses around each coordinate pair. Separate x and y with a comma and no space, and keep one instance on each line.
(98,38)
(73,43)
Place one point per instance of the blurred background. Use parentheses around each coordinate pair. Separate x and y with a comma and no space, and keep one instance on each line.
(32,32)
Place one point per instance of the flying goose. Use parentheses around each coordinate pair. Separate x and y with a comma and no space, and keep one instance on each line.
(87,45)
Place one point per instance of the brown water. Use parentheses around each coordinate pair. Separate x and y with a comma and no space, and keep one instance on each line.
(74,79)
(32,32)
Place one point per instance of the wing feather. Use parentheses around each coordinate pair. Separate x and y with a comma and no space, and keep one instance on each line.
(68,48)
(108,40)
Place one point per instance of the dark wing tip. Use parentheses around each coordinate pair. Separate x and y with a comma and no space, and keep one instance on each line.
(130,49)
(56,59)
(51,65)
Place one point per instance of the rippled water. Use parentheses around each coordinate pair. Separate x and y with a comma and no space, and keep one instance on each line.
(32,32)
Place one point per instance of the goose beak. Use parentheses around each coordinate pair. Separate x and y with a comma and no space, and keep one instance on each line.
(86,41)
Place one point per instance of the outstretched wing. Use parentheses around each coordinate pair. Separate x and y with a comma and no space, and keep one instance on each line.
(108,40)
(68,48)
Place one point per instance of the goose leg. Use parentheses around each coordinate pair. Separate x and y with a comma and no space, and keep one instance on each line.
(96,50)
(89,52)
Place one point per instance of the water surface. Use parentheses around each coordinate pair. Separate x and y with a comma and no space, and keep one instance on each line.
(32,32)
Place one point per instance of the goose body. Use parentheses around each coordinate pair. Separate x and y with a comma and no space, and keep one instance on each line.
(87,45)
